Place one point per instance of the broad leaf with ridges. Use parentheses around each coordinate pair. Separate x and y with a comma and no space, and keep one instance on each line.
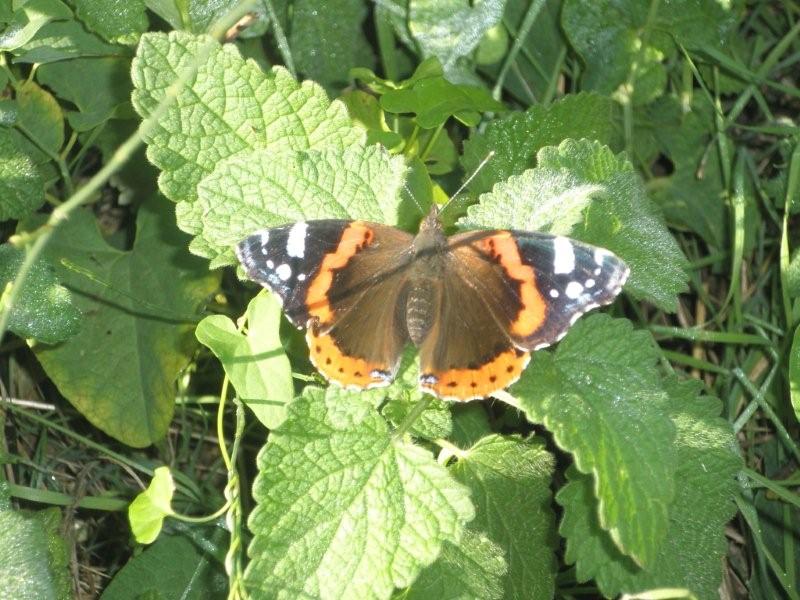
(510,483)
(21,185)
(516,138)
(344,509)
(120,369)
(691,555)
(228,106)
(600,395)
(580,175)
(254,190)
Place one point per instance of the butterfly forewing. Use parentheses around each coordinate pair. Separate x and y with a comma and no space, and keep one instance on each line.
(546,282)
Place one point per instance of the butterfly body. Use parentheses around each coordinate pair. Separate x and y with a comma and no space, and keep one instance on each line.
(474,304)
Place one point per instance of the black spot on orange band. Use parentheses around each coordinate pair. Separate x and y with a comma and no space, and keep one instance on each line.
(347,371)
(469,384)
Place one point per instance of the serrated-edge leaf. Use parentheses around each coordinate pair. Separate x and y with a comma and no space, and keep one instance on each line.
(345,510)
(600,395)
(229,105)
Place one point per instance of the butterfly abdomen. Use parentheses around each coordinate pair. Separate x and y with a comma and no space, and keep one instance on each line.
(422,304)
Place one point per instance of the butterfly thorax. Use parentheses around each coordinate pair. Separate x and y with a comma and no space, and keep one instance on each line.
(423,296)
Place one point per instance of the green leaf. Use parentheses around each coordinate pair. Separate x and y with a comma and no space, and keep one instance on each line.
(62,40)
(234,108)
(30,17)
(147,511)
(517,138)
(327,39)
(794,373)
(510,484)
(691,556)
(175,566)
(470,424)
(693,195)
(21,185)
(256,362)
(119,371)
(600,395)
(250,191)
(451,29)
(44,309)
(345,510)
(434,100)
(612,36)
(97,86)
(39,116)
(118,22)
(472,569)
(365,112)
(586,177)
(33,557)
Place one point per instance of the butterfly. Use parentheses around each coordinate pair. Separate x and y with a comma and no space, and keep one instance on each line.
(475,304)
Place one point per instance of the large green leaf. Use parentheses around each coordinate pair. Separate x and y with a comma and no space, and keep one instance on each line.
(614,35)
(21,185)
(327,39)
(33,556)
(28,18)
(251,191)
(691,555)
(119,371)
(44,309)
(99,87)
(255,362)
(472,569)
(510,483)
(582,189)
(515,139)
(344,509)
(600,395)
(61,40)
(120,22)
(451,29)
(227,107)
(175,566)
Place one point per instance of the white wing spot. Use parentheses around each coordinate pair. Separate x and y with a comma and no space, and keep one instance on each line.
(574,290)
(301,277)
(563,256)
(284,271)
(597,271)
(264,236)
(270,264)
(589,283)
(600,255)
(554,294)
(296,243)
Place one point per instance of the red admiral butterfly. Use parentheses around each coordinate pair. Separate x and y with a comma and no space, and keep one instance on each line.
(475,304)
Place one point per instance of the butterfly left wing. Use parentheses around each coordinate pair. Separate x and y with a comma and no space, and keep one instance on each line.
(340,280)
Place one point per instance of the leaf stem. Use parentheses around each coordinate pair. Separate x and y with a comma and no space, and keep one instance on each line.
(280,37)
(412,417)
(534,8)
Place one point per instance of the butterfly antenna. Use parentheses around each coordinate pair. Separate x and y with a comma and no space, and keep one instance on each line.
(469,179)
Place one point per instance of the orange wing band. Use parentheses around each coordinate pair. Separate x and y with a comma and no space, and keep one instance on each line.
(471,384)
(533,311)
(355,237)
(347,371)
